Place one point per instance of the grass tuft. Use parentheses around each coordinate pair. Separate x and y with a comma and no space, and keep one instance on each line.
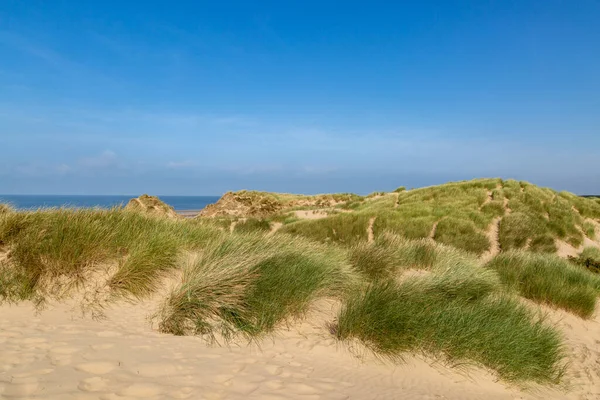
(265,281)
(54,251)
(462,234)
(390,255)
(392,318)
(589,229)
(548,279)
(252,225)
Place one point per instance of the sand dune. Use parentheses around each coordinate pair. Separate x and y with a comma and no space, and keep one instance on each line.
(59,355)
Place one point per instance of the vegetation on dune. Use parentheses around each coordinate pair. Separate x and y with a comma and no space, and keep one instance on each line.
(390,255)
(252,225)
(346,228)
(151,205)
(589,258)
(462,234)
(593,253)
(5,208)
(457,311)
(54,251)
(539,214)
(530,217)
(250,283)
(391,318)
(589,229)
(416,227)
(548,279)
(247,203)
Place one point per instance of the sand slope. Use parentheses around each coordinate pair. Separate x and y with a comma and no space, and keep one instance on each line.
(58,355)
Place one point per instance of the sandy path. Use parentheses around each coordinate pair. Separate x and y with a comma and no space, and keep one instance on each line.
(488,199)
(434,228)
(370,235)
(492,235)
(56,356)
(397,200)
(507,210)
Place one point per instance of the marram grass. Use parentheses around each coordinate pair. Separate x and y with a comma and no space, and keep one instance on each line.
(548,279)
(498,332)
(248,284)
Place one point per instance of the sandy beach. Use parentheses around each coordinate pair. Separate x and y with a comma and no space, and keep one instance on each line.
(58,354)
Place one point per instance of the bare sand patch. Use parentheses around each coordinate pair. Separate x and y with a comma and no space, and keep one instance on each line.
(310,214)
(57,355)
(565,250)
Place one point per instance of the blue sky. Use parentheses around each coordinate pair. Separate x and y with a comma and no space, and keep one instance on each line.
(107,97)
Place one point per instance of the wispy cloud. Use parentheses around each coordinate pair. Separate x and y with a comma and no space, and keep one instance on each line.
(181,164)
(106,159)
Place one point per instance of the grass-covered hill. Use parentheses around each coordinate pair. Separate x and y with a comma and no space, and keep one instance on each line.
(439,270)
(478,216)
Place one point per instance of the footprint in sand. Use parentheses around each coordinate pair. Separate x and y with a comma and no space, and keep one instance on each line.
(96,368)
(59,361)
(34,373)
(222,378)
(155,370)
(141,390)
(108,334)
(64,350)
(274,369)
(103,346)
(183,393)
(9,334)
(274,385)
(243,387)
(32,340)
(21,387)
(93,384)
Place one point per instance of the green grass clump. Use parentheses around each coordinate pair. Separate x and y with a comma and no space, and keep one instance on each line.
(221,222)
(55,251)
(345,228)
(589,259)
(285,218)
(390,255)
(461,234)
(548,279)
(589,229)
(592,253)
(248,284)
(516,228)
(543,244)
(252,225)
(391,318)
(494,208)
(408,227)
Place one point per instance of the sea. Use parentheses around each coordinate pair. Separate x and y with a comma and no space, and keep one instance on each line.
(32,202)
